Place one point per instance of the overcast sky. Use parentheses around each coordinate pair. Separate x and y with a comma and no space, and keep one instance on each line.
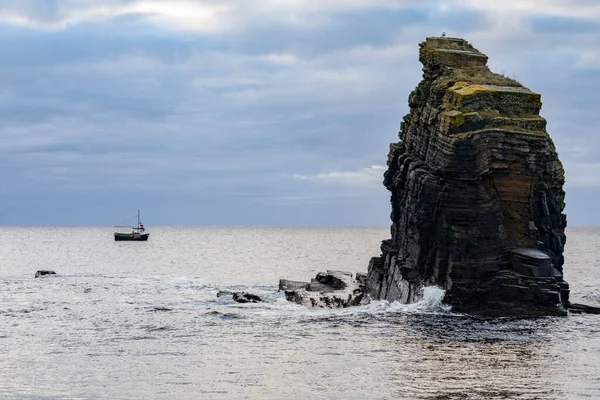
(258,112)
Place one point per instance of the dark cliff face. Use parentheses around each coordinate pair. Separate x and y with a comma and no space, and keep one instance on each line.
(474,176)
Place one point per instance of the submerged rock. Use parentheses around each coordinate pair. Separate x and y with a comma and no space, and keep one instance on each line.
(331,289)
(240,297)
(476,193)
(244,297)
(43,272)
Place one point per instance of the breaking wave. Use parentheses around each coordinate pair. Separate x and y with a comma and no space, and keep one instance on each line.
(275,304)
(430,302)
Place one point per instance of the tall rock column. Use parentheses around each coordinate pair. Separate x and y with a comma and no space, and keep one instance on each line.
(476,192)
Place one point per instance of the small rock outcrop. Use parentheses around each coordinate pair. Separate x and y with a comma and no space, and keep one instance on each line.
(241,297)
(583,309)
(285,284)
(476,193)
(43,272)
(331,289)
(244,297)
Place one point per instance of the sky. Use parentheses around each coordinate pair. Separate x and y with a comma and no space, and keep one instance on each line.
(258,112)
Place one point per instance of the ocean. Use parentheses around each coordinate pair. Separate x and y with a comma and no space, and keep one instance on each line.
(142,320)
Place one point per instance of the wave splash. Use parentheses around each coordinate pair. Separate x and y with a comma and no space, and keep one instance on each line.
(431,303)
(432,300)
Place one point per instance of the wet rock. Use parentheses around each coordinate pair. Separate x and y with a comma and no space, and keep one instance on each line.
(531,262)
(240,297)
(331,289)
(285,284)
(583,309)
(510,293)
(158,308)
(339,280)
(244,297)
(476,190)
(43,272)
(361,278)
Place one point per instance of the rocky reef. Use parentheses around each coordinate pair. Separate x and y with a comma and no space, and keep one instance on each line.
(331,289)
(476,193)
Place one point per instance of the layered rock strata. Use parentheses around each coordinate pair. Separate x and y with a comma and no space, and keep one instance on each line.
(476,192)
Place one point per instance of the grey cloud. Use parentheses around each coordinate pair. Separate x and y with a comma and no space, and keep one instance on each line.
(191,119)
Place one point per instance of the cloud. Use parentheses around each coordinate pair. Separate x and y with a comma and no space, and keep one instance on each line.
(370,177)
(580,174)
(588,59)
(582,9)
(186,15)
(263,102)
(201,16)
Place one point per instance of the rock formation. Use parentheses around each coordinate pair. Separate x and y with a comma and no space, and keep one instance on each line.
(241,297)
(476,191)
(331,289)
(43,272)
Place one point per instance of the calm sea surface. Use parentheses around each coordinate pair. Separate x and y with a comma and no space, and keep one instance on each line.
(125,320)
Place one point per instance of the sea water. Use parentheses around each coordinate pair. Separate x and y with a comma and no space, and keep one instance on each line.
(142,320)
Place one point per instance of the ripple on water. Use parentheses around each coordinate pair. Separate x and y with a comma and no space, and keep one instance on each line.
(125,321)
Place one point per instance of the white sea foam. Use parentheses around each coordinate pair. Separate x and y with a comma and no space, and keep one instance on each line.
(430,302)
(276,305)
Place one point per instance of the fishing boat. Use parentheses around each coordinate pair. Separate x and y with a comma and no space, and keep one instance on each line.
(138,233)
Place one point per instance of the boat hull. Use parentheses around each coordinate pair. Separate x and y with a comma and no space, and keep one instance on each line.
(128,237)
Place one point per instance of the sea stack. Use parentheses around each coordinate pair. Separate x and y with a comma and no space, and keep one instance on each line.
(476,192)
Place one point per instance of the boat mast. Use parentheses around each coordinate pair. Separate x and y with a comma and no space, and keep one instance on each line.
(139,217)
